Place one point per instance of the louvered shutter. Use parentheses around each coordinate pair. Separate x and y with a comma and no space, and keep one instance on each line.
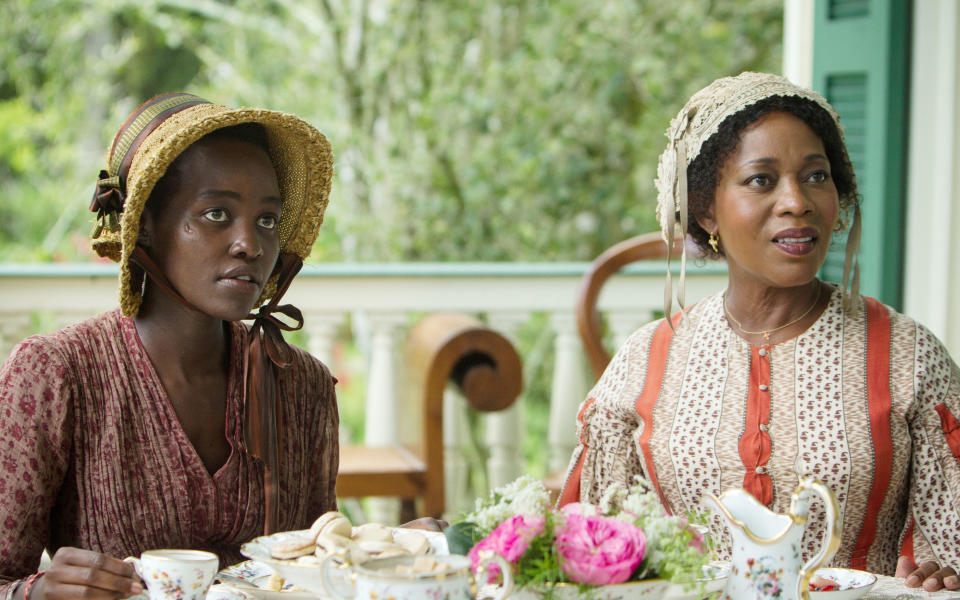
(860,62)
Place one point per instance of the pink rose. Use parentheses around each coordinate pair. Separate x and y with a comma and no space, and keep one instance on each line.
(510,540)
(599,550)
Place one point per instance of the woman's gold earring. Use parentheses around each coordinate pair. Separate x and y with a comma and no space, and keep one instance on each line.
(714,242)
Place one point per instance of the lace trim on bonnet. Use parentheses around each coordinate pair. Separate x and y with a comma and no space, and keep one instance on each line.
(696,122)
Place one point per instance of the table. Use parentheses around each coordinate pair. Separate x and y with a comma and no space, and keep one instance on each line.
(892,588)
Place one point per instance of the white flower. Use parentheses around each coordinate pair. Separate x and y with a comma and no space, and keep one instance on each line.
(523,496)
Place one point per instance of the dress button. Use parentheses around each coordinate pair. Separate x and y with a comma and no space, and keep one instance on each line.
(761,470)
(764,388)
(764,427)
(762,352)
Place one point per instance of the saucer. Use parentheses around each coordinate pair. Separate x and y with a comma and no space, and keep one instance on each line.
(249,577)
(216,592)
(853,583)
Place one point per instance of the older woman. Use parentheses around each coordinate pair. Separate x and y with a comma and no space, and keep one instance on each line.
(168,423)
(781,375)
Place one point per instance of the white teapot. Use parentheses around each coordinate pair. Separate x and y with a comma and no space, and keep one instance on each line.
(766,562)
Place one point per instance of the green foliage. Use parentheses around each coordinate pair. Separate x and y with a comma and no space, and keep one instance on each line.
(499,130)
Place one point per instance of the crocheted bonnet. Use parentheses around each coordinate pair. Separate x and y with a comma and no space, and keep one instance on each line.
(696,122)
(158,131)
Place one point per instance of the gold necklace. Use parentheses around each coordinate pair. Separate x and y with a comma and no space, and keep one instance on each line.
(766,332)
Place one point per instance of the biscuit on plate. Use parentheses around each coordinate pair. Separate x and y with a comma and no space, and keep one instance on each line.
(331,522)
(292,548)
(373,532)
(413,542)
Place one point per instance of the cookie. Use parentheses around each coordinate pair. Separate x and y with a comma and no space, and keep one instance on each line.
(373,532)
(331,522)
(332,543)
(413,542)
(378,547)
(274,583)
(292,548)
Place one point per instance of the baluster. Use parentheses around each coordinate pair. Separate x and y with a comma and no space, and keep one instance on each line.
(505,429)
(623,324)
(321,329)
(381,403)
(567,391)
(455,469)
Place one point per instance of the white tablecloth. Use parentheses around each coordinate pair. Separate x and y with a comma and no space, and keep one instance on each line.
(891,588)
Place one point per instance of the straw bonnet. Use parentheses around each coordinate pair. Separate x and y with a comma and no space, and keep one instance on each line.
(700,119)
(163,127)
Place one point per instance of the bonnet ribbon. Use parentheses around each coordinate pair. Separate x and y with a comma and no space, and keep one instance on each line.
(679,143)
(266,350)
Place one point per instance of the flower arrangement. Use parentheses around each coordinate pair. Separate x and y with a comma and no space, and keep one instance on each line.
(627,536)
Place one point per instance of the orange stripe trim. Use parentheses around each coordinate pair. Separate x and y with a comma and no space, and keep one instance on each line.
(656,364)
(878,401)
(755,445)
(571,490)
(906,549)
(951,429)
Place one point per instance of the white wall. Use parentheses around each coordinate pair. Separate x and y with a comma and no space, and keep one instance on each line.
(932,262)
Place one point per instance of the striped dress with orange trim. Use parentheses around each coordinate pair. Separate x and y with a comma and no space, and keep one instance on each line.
(867,401)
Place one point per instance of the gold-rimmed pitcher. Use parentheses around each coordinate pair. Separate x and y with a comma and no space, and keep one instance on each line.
(766,554)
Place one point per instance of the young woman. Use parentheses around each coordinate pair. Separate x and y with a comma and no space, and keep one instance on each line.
(167,422)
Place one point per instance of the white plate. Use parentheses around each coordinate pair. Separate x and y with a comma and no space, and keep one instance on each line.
(853,584)
(250,577)
(302,576)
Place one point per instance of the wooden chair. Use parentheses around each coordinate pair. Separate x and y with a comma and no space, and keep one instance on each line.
(649,246)
(440,348)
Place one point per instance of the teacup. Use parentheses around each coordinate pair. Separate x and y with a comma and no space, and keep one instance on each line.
(377,579)
(176,574)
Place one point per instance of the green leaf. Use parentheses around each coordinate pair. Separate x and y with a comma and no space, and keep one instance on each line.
(461,537)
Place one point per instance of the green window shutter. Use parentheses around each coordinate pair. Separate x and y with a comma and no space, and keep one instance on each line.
(860,62)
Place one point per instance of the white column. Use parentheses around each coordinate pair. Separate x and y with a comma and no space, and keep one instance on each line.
(931,267)
(798,41)
(504,428)
(321,330)
(456,432)
(381,406)
(622,324)
(566,393)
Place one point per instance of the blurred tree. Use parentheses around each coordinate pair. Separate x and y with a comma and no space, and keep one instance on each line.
(494,130)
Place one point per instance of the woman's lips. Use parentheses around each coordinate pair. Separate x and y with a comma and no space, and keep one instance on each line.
(797,246)
(796,241)
(240,285)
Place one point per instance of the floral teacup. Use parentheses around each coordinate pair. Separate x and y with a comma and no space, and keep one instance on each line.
(450,579)
(176,574)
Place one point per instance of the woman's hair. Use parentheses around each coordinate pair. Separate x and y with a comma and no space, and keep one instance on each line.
(703,173)
(169,183)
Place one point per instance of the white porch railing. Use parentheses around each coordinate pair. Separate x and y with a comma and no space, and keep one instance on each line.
(379,299)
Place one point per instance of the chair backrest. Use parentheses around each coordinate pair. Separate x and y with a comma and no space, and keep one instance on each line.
(483,365)
(649,246)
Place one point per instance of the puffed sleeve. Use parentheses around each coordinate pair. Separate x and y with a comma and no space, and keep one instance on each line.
(607,425)
(934,500)
(35,440)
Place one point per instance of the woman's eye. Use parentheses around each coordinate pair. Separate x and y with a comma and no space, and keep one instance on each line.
(819,176)
(759,180)
(267,221)
(217,215)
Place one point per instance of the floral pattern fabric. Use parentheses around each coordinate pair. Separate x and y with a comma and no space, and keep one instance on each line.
(853,401)
(92,453)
